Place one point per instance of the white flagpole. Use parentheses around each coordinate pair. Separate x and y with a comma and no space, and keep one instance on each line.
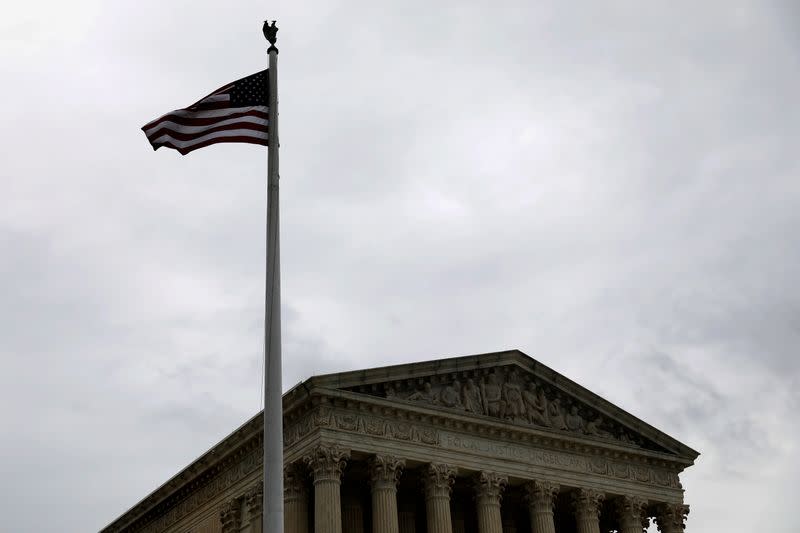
(273,405)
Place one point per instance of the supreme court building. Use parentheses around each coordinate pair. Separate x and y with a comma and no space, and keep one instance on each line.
(492,443)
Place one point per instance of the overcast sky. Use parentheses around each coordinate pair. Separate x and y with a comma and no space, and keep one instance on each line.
(611,187)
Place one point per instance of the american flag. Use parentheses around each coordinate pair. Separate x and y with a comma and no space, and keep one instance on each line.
(235,113)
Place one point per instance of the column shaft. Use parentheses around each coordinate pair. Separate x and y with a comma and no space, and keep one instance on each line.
(439,481)
(352,515)
(587,510)
(327,463)
(509,525)
(408,519)
(488,492)
(630,512)
(541,501)
(295,517)
(327,506)
(459,525)
(295,500)
(385,471)
(384,511)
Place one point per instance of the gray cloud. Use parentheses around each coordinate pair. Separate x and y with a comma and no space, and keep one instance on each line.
(610,188)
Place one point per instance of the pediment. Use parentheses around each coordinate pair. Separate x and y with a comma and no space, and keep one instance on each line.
(514,388)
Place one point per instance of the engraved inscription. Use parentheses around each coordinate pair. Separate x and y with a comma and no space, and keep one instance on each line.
(548,458)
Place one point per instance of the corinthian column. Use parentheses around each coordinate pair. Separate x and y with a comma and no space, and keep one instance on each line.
(295,500)
(541,496)
(509,525)
(488,491)
(254,498)
(326,463)
(587,510)
(439,479)
(670,517)
(385,471)
(352,514)
(631,514)
(408,518)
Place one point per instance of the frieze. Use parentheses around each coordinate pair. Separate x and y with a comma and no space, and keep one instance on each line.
(507,394)
(365,424)
(369,424)
(563,461)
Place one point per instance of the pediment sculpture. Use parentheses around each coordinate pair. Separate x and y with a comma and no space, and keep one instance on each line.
(507,394)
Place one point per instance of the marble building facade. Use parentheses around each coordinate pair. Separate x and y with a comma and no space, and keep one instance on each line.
(492,443)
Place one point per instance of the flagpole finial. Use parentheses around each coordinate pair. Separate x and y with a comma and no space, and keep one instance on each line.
(271,33)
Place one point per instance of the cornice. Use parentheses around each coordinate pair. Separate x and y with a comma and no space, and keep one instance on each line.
(482,425)
(220,456)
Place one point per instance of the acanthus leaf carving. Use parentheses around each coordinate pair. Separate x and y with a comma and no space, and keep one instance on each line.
(385,470)
(671,518)
(439,479)
(587,503)
(541,495)
(327,461)
(490,485)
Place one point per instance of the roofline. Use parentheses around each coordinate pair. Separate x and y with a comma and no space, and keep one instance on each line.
(447,364)
(291,397)
(252,425)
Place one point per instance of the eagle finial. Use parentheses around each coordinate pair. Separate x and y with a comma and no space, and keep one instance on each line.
(271,33)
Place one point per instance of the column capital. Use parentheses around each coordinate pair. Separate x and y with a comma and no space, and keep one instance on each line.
(541,495)
(490,485)
(439,479)
(385,470)
(230,514)
(327,462)
(254,498)
(671,517)
(541,498)
(631,512)
(587,502)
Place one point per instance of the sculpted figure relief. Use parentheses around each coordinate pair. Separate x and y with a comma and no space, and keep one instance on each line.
(555,415)
(472,397)
(425,395)
(512,394)
(493,404)
(515,398)
(535,405)
(594,428)
(574,421)
(451,396)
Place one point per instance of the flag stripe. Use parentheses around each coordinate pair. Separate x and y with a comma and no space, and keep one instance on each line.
(185,116)
(216,98)
(183,128)
(255,129)
(242,139)
(203,121)
(183,143)
(236,112)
